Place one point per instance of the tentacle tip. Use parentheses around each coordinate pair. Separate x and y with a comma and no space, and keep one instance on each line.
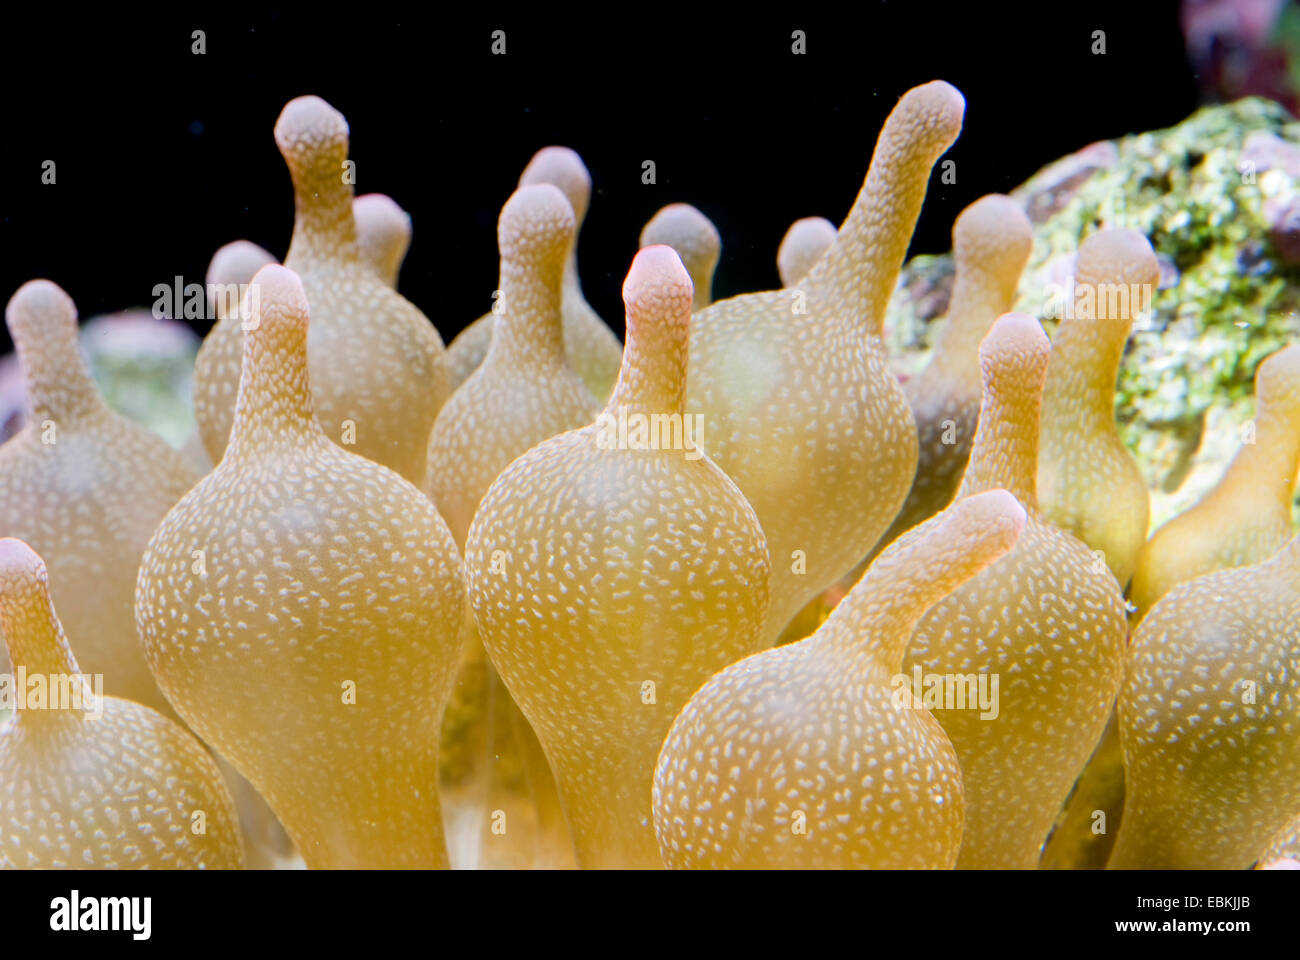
(940,102)
(1279,374)
(997,509)
(680,224)
(994,218)
(1118,255)
(818,228)
(39,304)
(237,262)
(307,123)
(382,210)
(536,218)
(1014,334)
(276,296)
(20,561)
(563,168)
(658,281)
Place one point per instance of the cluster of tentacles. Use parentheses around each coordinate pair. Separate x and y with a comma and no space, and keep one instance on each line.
(604,564)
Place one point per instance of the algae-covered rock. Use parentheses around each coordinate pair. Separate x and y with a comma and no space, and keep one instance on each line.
(1212,195)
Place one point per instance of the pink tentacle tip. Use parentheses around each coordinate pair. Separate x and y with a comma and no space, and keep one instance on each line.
(17,559)
(658,280)
(998,507)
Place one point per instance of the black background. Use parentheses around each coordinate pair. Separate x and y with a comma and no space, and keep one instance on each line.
(162,155)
